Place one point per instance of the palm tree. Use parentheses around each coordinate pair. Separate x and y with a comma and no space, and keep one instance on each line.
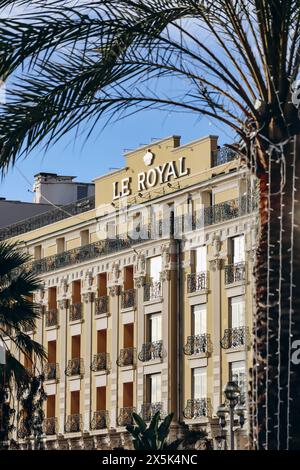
(17,313)
(233,61)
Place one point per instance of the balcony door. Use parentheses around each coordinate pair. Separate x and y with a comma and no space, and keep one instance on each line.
(200,259)
(199,383)
(238,249)
(155,327)
(155,388)
(199,320)
(154,268)
(238,375)
(237,307)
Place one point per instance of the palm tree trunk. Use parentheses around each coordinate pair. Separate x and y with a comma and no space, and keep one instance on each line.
(275,386)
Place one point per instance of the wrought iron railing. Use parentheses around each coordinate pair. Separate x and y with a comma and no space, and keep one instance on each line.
(101,305)
(50,426)
(197,282)
(198,408)
(52,317)
(51,371)
(100,420)
(75,367)
(73,423)
(236,337)
(151,351)
(76,312)
(148,410)
(235,273)
(208,216)
(128,298)
(101,362)
(152,291)
(22,431)
(46,218)
(197,344)
(223,155)
(127,357)
(125,416)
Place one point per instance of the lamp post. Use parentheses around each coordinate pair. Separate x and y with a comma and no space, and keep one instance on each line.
(232,394)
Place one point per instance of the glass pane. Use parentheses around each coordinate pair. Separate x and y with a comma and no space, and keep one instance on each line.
(155,381)
(199,383)
(239,249)
(155,268)
(155,325)
(237,312)
(199,320)
(201,265)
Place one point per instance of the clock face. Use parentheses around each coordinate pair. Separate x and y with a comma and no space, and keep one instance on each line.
(148,158)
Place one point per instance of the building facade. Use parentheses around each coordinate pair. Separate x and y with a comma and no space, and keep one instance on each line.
(147,295)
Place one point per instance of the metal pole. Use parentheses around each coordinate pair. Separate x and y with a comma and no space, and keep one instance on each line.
(231,413)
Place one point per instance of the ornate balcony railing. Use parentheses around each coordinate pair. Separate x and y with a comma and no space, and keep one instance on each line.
(50,426)
(152,291)
(101,305)
(236,338)
(22,431)
(223,155)
(152,351)
(51,317)
(46,218)
(76,312)
(148,410)
(235,273)
(128,298)
(73,423)
(101,362)
(51,371)
(125,416)
(75,367)
(100,420)
(206,217)
(199,408)
(197,344)
(127,357)
(197,282)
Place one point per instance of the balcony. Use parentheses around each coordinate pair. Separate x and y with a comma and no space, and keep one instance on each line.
(73,423)
(128,299)
(125,416)
(152,291)
(127,357)
(235,273)
(236,338)
(51,317)
(101,305)
(51,371)
(199,408)
(197,344)
(101,362)
(76,312)
(75,367)
(148,410)
(152,351)
(100,420)
(50,426)
(49,217)
(197,282)
(22,431)
(209,216)
(223,155)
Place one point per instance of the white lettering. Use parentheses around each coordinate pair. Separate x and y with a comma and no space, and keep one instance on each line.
(125,187)
(115,191)
(151,178)
(171,171)
(141,181)
(182,170)
(160,171)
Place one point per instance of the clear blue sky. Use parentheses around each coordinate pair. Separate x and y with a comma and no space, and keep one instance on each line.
(86,161)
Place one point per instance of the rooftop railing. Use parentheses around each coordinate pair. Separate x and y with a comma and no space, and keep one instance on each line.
(47,218)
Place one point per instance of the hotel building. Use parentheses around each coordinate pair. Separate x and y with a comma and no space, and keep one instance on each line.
(147,294)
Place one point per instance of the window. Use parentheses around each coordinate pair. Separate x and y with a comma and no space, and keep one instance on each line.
(60,245)
(51,352)
(128,278)
(238,249)
(101,341)
(111,229)
(82,192)
(75,347)
(84,237)
(154,388)
(128,394)
(101,398)
(200,259)
(238,375)
(102,284)
(155,327)
(50,406)
(75,402)
(128,335)
(199,383)
(199,320)
(155,267)
(237,312)
(38,252)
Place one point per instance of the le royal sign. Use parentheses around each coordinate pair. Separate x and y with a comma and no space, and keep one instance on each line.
(161,174)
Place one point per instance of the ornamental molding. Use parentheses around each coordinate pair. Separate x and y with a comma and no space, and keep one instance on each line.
(88,297)
(140,281)
(114,290)
(63,303)
(216,264)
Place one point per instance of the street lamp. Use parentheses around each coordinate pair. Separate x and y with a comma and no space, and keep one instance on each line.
(232,394)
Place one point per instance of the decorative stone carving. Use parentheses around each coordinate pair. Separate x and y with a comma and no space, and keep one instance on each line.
(88,297)
(114,290)
(42,291)
(64,286)
(63,303)
(140,281)
(216,264)
(115,272)
(141,263)
(216,244)
(89,278)
(165,275)
(165,252)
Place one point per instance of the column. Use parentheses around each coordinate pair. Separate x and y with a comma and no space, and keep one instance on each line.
(114,293)
(88,335)
(63,340)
